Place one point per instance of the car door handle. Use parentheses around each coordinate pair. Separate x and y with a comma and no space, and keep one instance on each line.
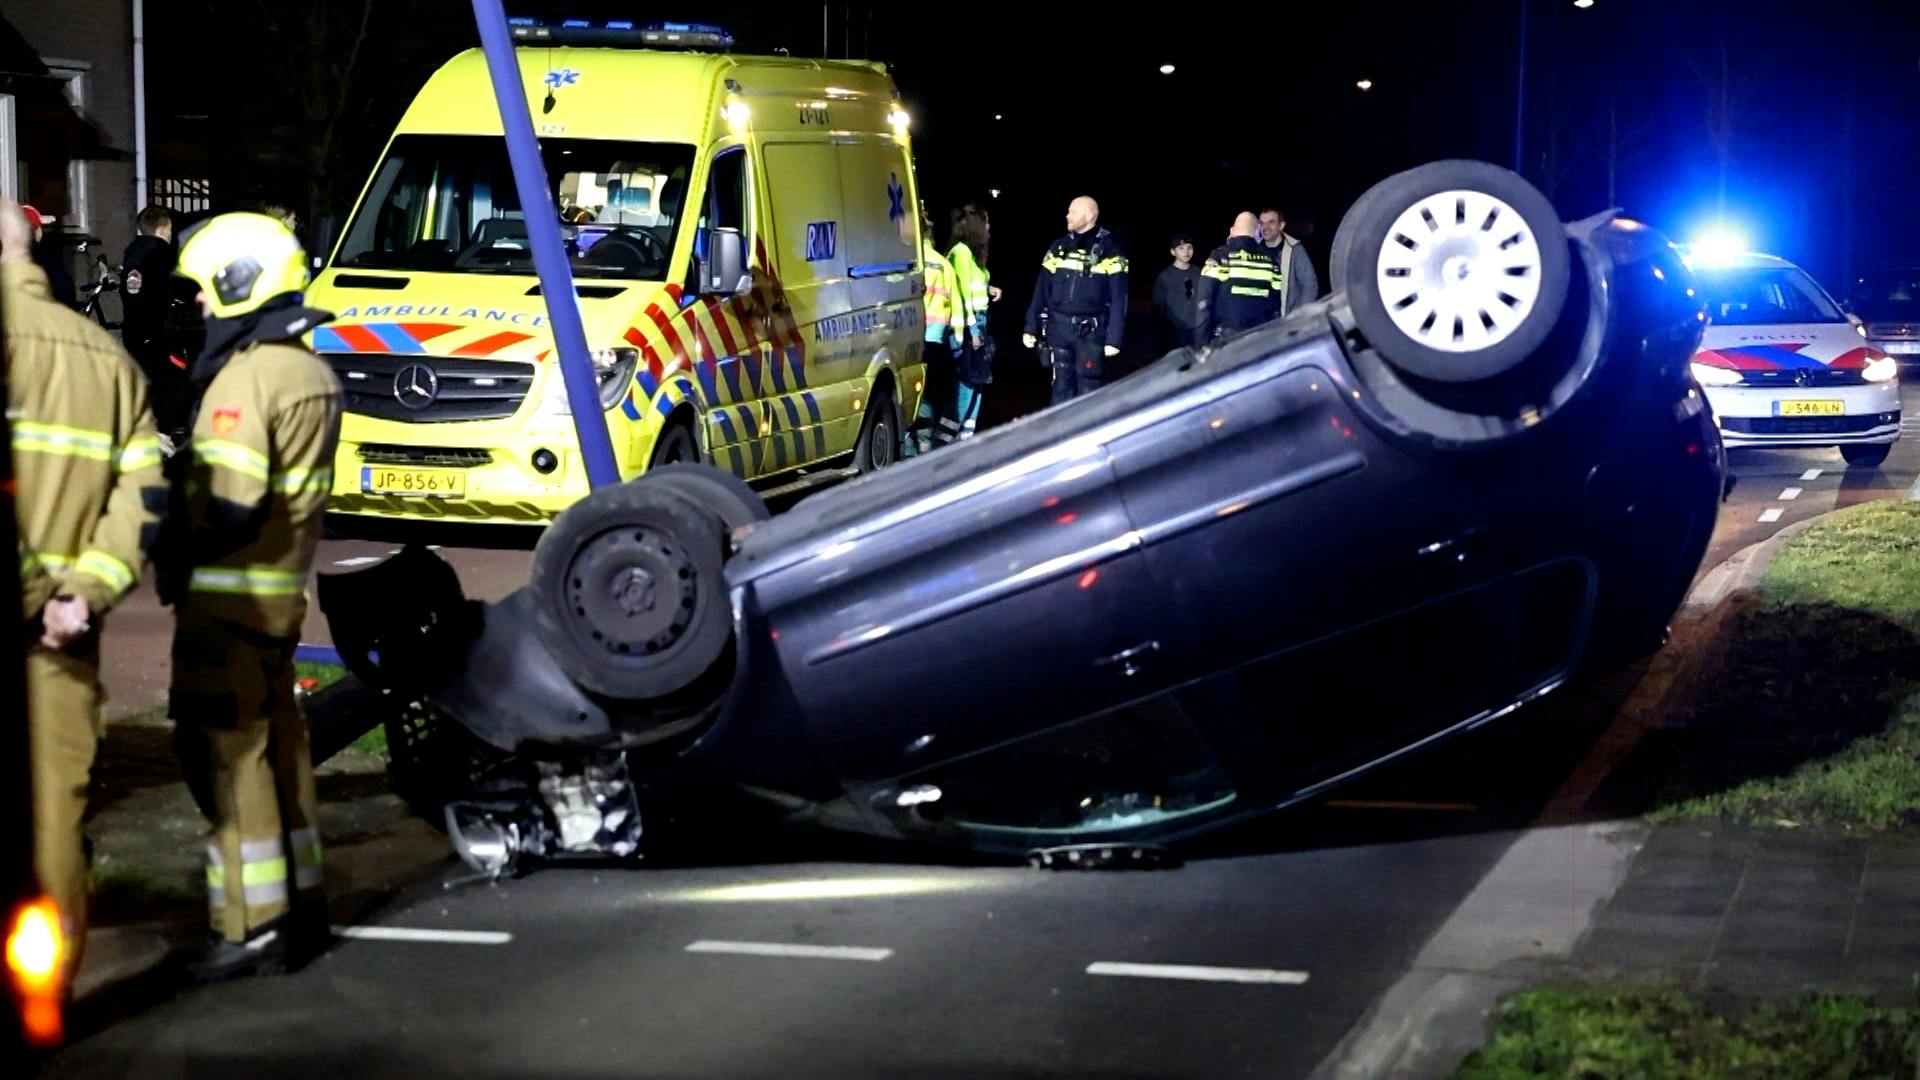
(1128,660)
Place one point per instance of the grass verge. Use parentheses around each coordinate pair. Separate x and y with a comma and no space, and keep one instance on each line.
(1663,1032)
(1812,718)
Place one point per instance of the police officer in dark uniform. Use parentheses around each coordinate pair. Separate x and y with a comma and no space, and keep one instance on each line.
(1082,298)
(1240,284)
(146,291)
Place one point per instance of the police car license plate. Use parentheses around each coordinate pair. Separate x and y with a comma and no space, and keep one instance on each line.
(1902,346)
(422,483)
(1809,408)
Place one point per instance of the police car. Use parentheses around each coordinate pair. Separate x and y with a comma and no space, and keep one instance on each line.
(1783,365)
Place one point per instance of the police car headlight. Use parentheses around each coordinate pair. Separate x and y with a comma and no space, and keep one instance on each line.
(1708,375)
(1881,370)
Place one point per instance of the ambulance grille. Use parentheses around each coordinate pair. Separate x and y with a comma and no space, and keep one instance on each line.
(431,389)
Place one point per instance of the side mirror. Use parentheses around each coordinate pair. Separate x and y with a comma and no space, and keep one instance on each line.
(724,273)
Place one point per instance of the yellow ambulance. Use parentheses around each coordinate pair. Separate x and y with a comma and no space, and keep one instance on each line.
(666,157)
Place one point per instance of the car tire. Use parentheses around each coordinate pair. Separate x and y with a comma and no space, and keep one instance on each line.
(1455,272)
(632,604)
(1866,455)
(675,445)
(879,443)
(728,497)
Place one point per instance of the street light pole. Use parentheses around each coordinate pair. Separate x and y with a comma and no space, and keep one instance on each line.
(549,252)
(1520,98)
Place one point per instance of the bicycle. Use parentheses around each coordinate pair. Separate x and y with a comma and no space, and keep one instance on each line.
(106,279)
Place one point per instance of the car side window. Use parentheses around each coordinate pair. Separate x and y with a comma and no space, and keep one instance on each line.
(1116,773)
(725,203)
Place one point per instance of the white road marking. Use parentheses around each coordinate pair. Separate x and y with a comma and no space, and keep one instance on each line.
(807,952)
(1198,973)
(1790,494)
(1810,474)
(357,560)
(442,937)
(1772,515)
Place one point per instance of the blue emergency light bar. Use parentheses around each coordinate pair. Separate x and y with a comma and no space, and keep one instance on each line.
(621,33)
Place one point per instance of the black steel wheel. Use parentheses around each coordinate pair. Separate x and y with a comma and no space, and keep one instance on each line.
(879,441)
(1456,272)
(1866,455)
(729,498)
(632,604)
(675,445)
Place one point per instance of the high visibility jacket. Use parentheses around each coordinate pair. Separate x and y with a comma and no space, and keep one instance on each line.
(85,456)
(946,319)
(1083,274)
(1239,287)
(971,281)
(261,468)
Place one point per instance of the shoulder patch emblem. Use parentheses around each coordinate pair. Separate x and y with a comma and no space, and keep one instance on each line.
(225,421)
(133,282)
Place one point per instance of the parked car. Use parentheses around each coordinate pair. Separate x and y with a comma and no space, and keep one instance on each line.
(1888,303)
(1476,471)
(1784,366)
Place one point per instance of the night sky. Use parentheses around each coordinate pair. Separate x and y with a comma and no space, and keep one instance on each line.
(1817,148)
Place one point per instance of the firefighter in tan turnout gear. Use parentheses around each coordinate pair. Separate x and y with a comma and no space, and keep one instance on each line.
(90,494)
(248,494)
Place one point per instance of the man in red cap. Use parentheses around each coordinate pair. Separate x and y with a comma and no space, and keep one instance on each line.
(47,257)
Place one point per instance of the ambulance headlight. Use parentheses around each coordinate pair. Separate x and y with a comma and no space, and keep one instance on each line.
(613,369)
(1881,369)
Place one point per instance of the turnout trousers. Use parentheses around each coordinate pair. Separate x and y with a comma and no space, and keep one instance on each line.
(243,744)
(63,722)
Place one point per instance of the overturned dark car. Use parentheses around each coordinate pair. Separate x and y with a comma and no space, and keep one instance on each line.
(1474,473)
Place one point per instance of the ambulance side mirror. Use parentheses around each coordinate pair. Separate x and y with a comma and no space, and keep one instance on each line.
(724,273)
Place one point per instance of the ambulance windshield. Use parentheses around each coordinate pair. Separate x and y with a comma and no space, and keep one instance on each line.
(447,203)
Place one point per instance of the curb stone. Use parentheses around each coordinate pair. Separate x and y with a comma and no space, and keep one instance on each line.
(1531,909)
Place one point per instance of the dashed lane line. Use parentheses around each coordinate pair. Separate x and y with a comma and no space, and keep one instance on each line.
(1199,973)
(790,951)
(1790,494)
(432,937)
(1770,515)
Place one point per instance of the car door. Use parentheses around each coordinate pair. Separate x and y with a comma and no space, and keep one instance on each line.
(1317,586)
(991,606)
(810,381)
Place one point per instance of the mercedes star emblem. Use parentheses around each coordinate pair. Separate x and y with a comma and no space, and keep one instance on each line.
(416,386)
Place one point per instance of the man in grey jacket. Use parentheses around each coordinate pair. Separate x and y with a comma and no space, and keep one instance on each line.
(1301,286)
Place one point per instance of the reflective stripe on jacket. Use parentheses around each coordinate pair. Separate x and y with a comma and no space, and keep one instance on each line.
(86,458)
(262,467)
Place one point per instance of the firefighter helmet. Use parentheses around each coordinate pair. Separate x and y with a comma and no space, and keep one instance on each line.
(241,261)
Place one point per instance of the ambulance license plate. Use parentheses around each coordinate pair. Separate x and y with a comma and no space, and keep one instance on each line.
(1809,408)
(420,483)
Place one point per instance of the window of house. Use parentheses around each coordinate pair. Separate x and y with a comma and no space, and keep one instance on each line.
(74,75)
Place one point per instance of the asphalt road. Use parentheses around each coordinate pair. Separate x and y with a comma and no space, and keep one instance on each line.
(806,959)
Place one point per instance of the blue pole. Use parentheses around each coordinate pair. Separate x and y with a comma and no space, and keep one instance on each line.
(1520,99)
(549,254)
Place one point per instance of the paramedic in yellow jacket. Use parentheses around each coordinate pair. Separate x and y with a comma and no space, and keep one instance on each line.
(945,327)
(234,563)
(89,492)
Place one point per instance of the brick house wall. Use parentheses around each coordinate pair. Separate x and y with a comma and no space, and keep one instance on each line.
(98,34)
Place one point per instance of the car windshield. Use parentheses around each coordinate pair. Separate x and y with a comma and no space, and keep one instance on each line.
(1890,294)
(447,203)
(1766,296)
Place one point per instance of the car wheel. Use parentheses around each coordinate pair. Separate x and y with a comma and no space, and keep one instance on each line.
(727,496)
(880,433)
(676,444)
(1455,271)
(1866,456)
(632,604)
